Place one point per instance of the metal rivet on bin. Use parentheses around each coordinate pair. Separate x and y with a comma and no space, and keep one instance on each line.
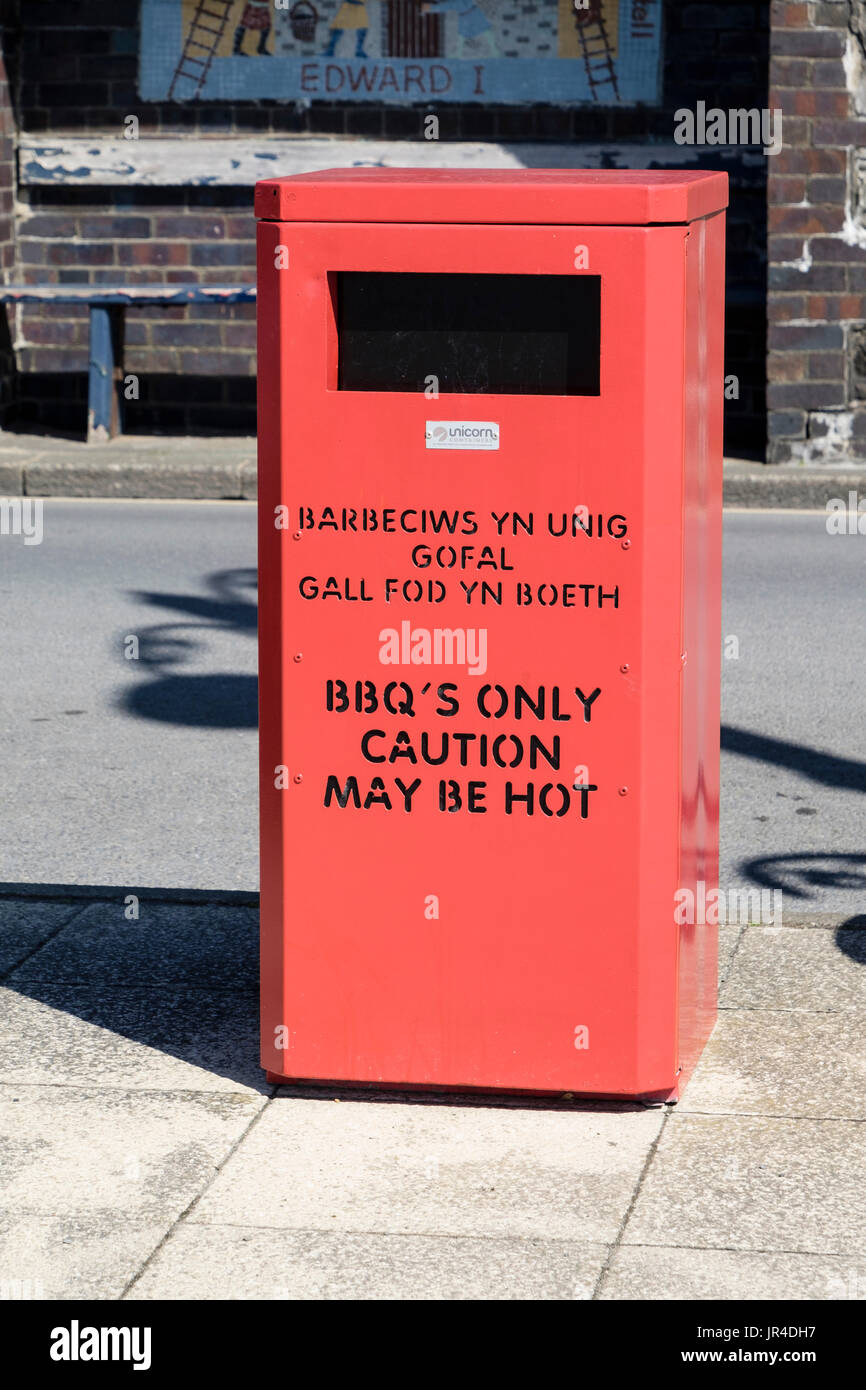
(299,777)
(623,791)
(626,545)
(296,535)
(299,656)
(625,668)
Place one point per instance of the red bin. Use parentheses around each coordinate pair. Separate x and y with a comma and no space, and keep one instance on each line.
(490,444)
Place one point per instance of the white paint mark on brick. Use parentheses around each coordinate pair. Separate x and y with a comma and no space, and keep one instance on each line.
(835,445)
(803,262)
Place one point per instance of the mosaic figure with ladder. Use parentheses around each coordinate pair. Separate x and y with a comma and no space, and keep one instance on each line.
(256,16)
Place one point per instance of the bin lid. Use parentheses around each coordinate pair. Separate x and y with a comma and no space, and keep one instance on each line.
(604,197)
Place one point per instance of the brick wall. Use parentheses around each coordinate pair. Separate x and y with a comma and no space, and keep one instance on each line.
(816,366)
(195,364)
(76,72)
(8,379)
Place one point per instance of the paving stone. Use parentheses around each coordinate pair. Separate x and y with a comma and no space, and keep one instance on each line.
(754,1183)
(798,968)
(200,946)
(26,925)
(226,1262)
(52,1257)
(99,1154)
(434,1169)
(156,1039)
(728,938)
(782,1063)
(663,1272)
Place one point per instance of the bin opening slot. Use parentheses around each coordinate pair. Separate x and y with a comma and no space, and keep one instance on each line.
(532,335)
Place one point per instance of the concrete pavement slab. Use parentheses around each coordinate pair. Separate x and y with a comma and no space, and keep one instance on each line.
(781,1063)
(664,1272)
(209,947)
(52,1257)
(748,484)
(250,479)
(798,968)
(203,466)
(213,1262)
(754,1183)
(435,1169)
(12,474)
(124,1097)
(729,937)
(132,466)
(157,476)
(157,1039)
(99,1154)
(24,926)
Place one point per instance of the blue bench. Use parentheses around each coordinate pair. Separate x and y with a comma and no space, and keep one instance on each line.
(107,304)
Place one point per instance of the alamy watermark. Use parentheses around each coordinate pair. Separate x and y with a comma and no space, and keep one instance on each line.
(846,518)
(738,126)
(21,1290)
(22,516)
(724,907)
(77,1343)
(438,646)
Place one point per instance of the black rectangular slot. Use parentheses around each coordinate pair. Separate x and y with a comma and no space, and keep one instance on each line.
(519,335)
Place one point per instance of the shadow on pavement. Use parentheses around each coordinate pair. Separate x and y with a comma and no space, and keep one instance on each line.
(180,980)
(851,938)
(218,700)
(797,874)
(843,774)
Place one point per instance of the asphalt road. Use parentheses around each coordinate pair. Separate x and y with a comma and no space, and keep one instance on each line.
(142,772)
(793,728)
